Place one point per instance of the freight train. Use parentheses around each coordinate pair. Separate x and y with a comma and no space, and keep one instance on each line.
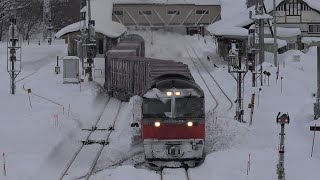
(173,118)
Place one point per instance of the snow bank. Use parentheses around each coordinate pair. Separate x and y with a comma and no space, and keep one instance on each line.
(124,173)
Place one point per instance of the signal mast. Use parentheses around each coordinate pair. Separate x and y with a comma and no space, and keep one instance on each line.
(13,49)
(91,43)
(87,40)
(47,21)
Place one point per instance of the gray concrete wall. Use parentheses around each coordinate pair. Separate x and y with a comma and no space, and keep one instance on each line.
(160,16)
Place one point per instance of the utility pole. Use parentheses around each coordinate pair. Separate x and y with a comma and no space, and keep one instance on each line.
(259,18)
(260,25)
(251,54)
(235,67)
(282,119)
(83,30)
(316,107)
(90,44)
(13,48)
(275,47)
(47,34)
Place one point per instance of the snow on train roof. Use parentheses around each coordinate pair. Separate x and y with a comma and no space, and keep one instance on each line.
(196,2)
(101,12)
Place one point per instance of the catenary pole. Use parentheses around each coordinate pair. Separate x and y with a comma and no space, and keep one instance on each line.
(275,48)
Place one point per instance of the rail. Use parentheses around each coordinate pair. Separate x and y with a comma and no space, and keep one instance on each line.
(187,176)
(77,152)
(211,93)
(218,85)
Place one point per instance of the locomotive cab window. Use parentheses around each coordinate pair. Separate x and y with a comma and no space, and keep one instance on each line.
(189,107)
(156,107)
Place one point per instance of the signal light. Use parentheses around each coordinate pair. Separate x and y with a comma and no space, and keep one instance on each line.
(157,124)
(190,124)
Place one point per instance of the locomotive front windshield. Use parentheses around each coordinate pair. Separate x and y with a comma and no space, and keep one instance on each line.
(189,107)
(156,107)
(184,107)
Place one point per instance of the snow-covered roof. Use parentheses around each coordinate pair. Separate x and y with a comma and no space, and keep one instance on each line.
(237,21)
(101,12)
(196,2)
(230,31)
(315,4)
(308,40)
(285,32)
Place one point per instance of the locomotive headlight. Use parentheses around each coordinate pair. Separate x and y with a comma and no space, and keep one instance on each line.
(157,124)
(169,93)
(178,93)
(190,124)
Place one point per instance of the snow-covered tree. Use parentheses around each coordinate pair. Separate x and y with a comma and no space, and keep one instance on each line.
(30,15)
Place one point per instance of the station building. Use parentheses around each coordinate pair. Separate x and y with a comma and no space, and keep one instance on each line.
(181,16)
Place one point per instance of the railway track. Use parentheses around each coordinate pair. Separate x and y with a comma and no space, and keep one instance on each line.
(107,129)
(212,77)
(203,79)
(176,174)
(130,160)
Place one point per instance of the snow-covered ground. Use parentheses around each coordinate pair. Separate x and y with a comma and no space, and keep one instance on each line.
(231,141)
(36,148)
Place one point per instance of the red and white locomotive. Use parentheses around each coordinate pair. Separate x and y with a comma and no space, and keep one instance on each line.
(173,122)
(173,118)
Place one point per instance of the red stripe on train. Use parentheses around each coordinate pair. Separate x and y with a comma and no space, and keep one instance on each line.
(173,131)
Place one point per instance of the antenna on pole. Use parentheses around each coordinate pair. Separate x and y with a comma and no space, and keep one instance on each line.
(13,49)
(47,33)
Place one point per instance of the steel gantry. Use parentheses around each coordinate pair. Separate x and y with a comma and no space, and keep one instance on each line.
(238,68)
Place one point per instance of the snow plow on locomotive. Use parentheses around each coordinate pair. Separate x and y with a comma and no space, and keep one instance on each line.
(173,118)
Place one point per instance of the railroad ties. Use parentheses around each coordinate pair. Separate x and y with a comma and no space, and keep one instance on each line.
(176,174)
(92,142)
(217,88)
(101,142)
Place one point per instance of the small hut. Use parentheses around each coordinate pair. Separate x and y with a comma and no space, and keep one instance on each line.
(107,31)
